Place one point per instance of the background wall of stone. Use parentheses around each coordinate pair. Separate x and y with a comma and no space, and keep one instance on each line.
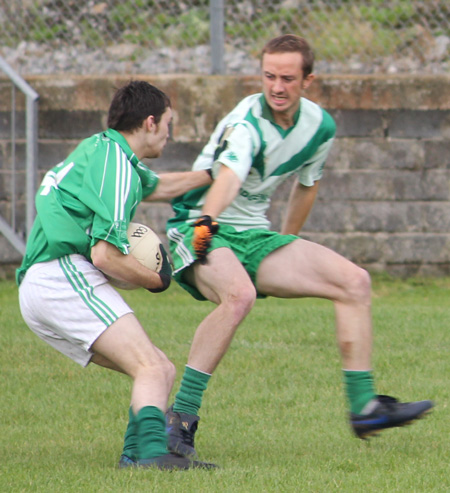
(384,199)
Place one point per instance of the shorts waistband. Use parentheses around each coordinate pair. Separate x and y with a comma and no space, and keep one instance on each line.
(41,265)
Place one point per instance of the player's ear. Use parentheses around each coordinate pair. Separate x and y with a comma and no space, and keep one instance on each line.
(307,81)
(149,123)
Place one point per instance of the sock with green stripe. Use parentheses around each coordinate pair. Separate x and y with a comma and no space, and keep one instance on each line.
(151,433)
(360,389)
(131,439)
(189,398)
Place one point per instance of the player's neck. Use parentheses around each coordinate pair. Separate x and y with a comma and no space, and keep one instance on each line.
(284,120)
(135,141)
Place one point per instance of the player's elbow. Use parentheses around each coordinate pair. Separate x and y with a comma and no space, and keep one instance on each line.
(103,254)
(164,192)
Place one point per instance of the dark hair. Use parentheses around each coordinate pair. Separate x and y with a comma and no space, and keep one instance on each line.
(294,44)
(133,103)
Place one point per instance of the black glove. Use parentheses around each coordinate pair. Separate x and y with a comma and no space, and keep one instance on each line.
(165,272)
(205,228)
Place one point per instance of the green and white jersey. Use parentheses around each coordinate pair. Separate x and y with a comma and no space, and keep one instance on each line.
(90,196)
(263,155)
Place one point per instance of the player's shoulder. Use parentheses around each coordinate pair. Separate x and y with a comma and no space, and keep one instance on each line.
(93,143)
(315,113)
(250,100)
(244,107)
(243,118)
(91,151)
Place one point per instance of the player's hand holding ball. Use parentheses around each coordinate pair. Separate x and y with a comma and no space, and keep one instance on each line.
(165,272)
(146,247)
(204,230)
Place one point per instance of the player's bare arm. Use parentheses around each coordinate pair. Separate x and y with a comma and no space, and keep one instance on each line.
(219,197)
(301,200)
(107,258)
(222,192)
(174,184)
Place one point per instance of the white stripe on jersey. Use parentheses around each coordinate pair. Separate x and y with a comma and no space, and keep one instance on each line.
(127,182)
(123,183)
(105,166)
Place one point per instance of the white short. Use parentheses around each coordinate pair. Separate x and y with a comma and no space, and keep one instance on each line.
(69,303)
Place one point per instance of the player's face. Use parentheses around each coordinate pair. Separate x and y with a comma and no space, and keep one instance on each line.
(161,133)
(283,84)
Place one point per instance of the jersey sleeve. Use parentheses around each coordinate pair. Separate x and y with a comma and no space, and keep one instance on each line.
(149,179)
(236,149)
(313,170)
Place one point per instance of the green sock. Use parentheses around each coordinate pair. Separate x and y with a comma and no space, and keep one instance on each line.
(152,437)
(360,389)
(189,397)
(131,440)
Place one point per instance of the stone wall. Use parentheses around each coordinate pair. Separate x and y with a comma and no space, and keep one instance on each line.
(384,198)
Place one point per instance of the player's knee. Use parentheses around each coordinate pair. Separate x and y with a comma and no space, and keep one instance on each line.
(170,372)
(168,368)
(358,285)
(159,368)
(240,301)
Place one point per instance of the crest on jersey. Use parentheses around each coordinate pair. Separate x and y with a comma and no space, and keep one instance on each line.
(223,142)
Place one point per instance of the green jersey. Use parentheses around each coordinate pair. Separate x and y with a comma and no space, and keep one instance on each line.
(90,196)
(263,155)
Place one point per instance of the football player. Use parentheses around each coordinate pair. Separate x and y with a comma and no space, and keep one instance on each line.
(224,250)
(84,206)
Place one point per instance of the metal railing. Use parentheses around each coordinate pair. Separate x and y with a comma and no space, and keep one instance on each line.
(8,229)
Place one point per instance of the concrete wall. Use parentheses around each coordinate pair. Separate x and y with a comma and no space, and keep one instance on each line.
(384,198)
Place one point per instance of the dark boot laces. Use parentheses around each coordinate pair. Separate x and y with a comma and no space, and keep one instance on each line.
(388,401)
(188,434)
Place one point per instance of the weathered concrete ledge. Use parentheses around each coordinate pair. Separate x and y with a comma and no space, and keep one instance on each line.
(385,195)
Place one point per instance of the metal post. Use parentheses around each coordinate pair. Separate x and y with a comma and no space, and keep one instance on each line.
(32,153)
(217,34)
(13,156)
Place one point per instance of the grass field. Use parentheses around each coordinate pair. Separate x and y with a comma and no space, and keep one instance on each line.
(274,415)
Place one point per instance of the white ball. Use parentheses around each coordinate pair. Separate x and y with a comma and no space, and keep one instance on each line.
(145,246)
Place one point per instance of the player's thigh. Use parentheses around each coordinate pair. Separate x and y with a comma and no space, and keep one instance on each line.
(222,277)
(126,344)
(303,268)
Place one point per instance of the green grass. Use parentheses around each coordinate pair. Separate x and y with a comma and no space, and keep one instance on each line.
(274,415)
